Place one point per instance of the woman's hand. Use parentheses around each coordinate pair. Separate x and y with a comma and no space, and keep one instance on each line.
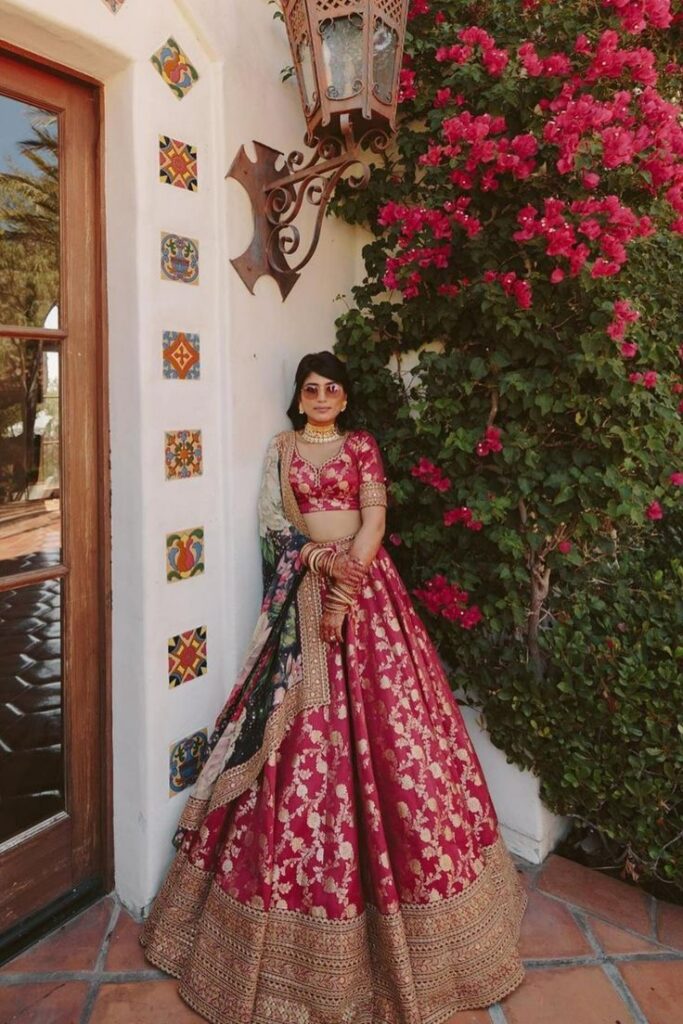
(349,570)
(331,626)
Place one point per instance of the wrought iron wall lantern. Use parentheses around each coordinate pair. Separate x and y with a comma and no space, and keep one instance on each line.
(347,55)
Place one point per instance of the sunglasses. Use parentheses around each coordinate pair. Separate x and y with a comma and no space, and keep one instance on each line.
(331,389)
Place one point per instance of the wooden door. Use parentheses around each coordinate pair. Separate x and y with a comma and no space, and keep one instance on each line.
(54,753)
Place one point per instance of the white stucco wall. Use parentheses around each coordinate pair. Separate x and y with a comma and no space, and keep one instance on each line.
(250,347)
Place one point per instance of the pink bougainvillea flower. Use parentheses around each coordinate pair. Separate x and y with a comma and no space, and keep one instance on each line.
(395,539)
(654,511)
(565,546)
(490,442)
(449,601)
(430,474)
(590,180)
(462,515)
(637,15)
(624,314)
(443,97)
(407,89)
(418,7)
(676,479)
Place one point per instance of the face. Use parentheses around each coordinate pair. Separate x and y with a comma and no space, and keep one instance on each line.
(321,399)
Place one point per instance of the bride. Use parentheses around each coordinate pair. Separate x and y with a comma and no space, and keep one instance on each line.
(339,860)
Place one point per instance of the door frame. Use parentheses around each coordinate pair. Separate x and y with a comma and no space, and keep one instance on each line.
(26,931)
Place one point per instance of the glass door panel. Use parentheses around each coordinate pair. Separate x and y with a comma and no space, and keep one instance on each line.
(30,463)
(53,537)
(31,747)
(29,215)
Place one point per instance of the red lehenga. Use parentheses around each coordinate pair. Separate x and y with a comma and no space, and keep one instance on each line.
(339,861)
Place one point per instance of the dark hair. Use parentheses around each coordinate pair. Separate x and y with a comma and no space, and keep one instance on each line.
(327,365)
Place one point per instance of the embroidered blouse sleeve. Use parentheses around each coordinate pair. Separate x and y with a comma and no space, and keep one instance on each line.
(373,489)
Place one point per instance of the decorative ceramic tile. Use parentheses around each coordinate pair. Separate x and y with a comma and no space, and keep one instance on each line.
(183,454)
(174,67)
(181,356)
(177,163)
(114,5)
(184,554)
(179,258)
(187,656)
(187,758)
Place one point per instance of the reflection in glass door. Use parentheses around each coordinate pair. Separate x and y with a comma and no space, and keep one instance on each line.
(31,765)
(51,533)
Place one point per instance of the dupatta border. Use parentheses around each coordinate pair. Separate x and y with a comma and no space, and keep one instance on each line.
(311,689)
(316,683)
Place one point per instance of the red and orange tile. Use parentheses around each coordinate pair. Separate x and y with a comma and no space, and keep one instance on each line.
(178,164)
(185,554)
(175,68)
(182,356)
(187,656)
(183,454)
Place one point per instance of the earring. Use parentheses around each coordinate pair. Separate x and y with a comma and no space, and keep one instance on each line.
(301,409)
(344,406)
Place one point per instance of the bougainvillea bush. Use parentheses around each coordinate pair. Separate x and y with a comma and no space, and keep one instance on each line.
(517,345)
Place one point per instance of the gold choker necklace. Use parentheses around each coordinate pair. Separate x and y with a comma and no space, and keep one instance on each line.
(320,435)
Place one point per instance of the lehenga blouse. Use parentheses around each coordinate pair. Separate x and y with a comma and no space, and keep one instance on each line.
(351,479)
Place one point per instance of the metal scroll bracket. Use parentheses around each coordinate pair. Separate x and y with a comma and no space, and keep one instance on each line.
(278,186)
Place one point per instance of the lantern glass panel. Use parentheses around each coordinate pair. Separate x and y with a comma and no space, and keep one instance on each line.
(308,83)
(385,49)
(342,40)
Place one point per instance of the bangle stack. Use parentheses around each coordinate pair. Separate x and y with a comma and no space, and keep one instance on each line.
(340,597)
(319,559)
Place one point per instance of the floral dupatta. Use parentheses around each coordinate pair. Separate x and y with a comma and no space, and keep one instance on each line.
(285,669)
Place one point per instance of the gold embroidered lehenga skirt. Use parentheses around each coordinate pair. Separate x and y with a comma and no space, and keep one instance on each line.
(357,875)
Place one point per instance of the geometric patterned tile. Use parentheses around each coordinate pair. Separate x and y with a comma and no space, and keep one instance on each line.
(183,454)
(114,5)
(177,163)
(186,760)
(179,258)
(184,554)
(181,356)
(187,656)
(174,67)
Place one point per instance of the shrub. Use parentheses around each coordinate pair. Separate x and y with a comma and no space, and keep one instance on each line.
(517,349)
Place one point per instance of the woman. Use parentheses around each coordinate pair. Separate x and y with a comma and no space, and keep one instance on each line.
(338,861)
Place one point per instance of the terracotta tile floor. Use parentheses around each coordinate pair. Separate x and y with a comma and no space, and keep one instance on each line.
(597,952)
